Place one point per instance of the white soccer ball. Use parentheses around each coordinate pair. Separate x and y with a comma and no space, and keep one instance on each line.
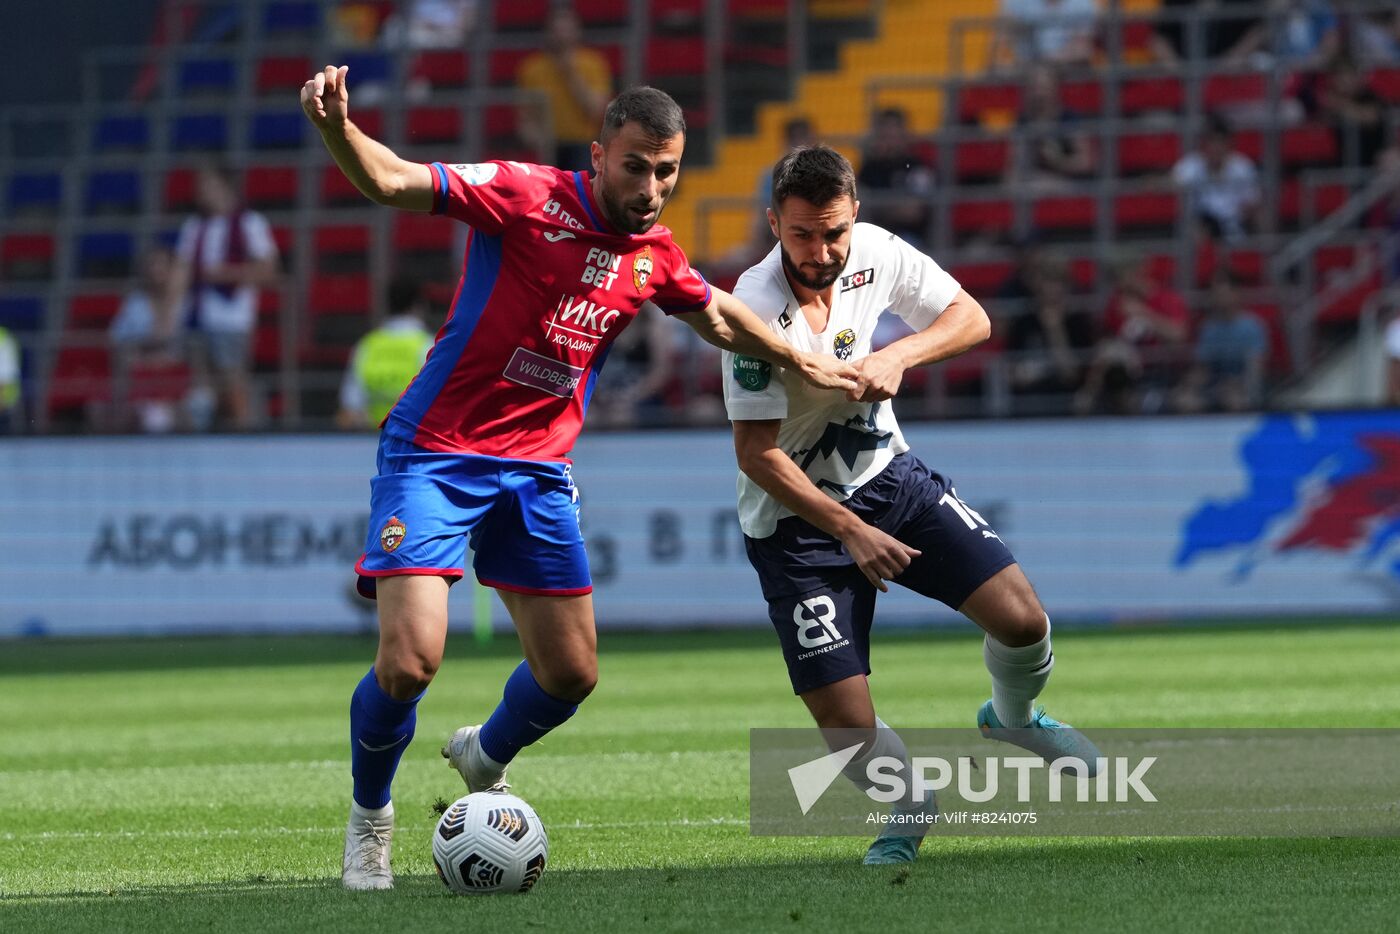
(490,842)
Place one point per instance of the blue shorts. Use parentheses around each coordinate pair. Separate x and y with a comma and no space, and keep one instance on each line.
(520,518)
(821,603)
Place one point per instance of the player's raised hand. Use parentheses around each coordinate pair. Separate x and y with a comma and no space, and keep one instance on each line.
(325,98)
(880,557)
(879,377)
(827,372)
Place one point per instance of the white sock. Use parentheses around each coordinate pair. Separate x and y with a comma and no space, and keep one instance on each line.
(375,814)
(887,743)
(1018,676)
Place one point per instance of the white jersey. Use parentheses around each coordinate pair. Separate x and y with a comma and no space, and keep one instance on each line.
(840,445)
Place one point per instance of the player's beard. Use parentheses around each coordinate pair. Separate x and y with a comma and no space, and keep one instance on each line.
(619,214)
(811,276)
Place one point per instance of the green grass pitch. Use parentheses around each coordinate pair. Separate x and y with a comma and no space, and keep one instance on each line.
(203,785)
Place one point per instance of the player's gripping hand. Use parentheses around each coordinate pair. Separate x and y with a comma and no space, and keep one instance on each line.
(325,99)
(880,557)
(879,377)
(827,372)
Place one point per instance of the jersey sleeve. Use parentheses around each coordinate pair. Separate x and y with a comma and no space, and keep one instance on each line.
(753,388)
(681,288)
(920,288)
(486,195)
(257,234)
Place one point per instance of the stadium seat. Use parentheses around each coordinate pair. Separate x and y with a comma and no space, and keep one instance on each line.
(981,160)
(124,133)
(287,20)
(26,257)
(983,217)
(1149,210)
(193,132)
(984,278)
(341,249)
(503,65)
(521,14)
(339,295)
(1312,144)
(112,192)
(603,12)
(371,121)
(271,187)
(92,312)
(105,254)
(1234,89)
(277,130)
(81,375)
(178,191)
(338,191)
(675,55)
(282,74)
(267,334)
(1064,212)
(434,125)
(442,68)
(1145,94)
(422,232)
(366,67)
(206,76)
(978,100)
(1083,273)
(1140,153)
(1386,83)
(21,313)
(1083,96)
(34,193)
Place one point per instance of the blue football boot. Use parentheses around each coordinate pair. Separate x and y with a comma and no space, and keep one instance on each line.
(1045,736)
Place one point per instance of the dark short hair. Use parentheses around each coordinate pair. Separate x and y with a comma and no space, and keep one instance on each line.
(403,294)
(816,174)
(657,113)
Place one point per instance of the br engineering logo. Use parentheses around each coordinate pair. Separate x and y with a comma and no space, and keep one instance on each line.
(889,780)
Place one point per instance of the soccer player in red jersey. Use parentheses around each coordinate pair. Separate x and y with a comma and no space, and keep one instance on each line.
(476,450)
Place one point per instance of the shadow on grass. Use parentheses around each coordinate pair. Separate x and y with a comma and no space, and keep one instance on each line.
(1167,884)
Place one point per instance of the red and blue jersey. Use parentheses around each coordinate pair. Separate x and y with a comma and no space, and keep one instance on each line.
(547,285)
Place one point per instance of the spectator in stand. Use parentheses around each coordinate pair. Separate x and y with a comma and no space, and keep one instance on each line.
(1051,152)
(135,341)
(1341,97)
(635,389)
(9,383)
(1300,35)
(1221,184)
(1376,37)
(726,268)
(1220,31)
(1050,342)
(895,178)
(386,359)
(575,81)
(1060,32)
(1227,372)
(224,255)
(1392,361)
(1146,326)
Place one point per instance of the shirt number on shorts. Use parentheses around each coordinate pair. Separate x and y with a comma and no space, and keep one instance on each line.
(819,628)
(965,512)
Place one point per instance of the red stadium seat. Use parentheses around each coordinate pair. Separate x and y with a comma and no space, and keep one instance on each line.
(178,191)
(522,14)
(344,238)
(434,125)
(339,295)
(422,232)
(1309,144)
(1072,212)
(503,67)
(81,375)
(1386,83)
(442,68)
(1138,95)
(93,312)
(282,74)
(1140,153)
(983,160)
(1082,97)
(603,12)
(975,100)
(1222,90)
(26,256)
(267,186)
(675,55)
(1151,209)
(984,278)
(338,191)
(980,217)
(1083,271)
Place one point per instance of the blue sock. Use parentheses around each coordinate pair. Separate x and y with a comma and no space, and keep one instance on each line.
(380,730)
(525,714)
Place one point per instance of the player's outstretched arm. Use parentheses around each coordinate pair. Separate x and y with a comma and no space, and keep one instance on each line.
(372,167)
(881,557)
(962,325)
(731,325)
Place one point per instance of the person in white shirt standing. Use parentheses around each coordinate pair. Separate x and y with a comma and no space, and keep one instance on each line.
(223,256)
(833,504)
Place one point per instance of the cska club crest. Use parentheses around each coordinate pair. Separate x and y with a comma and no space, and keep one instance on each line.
(641,268)
(391,536)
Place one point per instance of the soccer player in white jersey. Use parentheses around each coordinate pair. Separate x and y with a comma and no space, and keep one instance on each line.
(831,500)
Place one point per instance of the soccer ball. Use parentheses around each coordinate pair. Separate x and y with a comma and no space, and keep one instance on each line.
(490,842)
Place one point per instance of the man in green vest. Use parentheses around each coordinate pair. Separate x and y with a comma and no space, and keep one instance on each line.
(9,383)
(385,359)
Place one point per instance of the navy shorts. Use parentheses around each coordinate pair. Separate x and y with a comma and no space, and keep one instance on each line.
(822,605)
(520,518)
